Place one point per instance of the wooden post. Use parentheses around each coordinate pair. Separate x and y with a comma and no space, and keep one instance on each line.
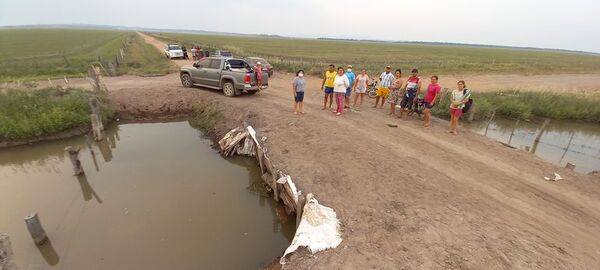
(74,157)
(472,112)
(6,253)
(96,123)
(35,229)
(513,131)
(300,209)
(539,135)
(95,108)
(66,81)
(276,188)
(94,76)
(50,84)
(122,53)
(259,156)
(112,69)
(490,121)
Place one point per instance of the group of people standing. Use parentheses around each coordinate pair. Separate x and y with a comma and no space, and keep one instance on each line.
(339,84)
(197,52)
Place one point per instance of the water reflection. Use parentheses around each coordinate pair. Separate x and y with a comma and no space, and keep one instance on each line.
(87,190)
(256,185)
(49,253)
(562,141)
(142,183)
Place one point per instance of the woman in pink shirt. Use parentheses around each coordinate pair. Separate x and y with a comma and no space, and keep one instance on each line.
(258,70)
(433,91)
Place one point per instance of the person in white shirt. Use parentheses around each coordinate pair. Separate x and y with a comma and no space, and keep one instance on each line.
(340,84)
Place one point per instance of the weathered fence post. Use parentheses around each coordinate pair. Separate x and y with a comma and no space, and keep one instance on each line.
(95,108)
(74,157)
(513,131)
(300,209)
(112,69)
(472,112)
(490,121)
(96,124)
(539,135)
(35,229)
(96,76)
(6,253)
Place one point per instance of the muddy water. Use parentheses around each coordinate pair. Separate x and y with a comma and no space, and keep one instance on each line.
(563,142)
(158,198)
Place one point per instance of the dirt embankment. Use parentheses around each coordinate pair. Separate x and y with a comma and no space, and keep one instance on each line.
(408,197)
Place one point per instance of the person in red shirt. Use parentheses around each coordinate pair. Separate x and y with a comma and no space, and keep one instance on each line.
(433,91)
(411,93)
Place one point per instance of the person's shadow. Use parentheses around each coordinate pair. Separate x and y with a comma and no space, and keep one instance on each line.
(87,190)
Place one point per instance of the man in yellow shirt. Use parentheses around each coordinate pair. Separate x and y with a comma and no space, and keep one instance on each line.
(327,86)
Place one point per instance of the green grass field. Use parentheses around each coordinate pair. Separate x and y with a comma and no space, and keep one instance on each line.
(291,54)
(34,54)
(143,59)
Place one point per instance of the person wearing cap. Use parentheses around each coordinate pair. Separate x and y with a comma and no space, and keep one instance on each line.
(386,79)
(351,79)
(258,71)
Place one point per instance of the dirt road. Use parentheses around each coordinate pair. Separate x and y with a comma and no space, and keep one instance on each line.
(408,197)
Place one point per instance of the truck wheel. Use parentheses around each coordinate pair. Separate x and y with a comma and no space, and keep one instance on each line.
(228,89)
(186,80)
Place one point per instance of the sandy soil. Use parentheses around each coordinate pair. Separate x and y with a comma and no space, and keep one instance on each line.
(408,197)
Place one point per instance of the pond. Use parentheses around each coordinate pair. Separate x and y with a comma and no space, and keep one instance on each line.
(562,141)
(157,196)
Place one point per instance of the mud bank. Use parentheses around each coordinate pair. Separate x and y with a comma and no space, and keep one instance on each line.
(57,136)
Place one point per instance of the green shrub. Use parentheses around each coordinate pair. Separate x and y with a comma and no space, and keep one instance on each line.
(205,116)
(30,113)
(527,104)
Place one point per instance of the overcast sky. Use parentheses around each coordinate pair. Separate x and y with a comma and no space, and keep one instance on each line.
(573,24)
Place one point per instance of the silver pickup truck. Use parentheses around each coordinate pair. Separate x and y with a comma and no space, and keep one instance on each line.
(233,76)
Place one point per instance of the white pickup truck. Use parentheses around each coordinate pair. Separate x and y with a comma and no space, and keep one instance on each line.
(173,51)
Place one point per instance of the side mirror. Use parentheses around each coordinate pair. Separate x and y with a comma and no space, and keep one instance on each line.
(196,65)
